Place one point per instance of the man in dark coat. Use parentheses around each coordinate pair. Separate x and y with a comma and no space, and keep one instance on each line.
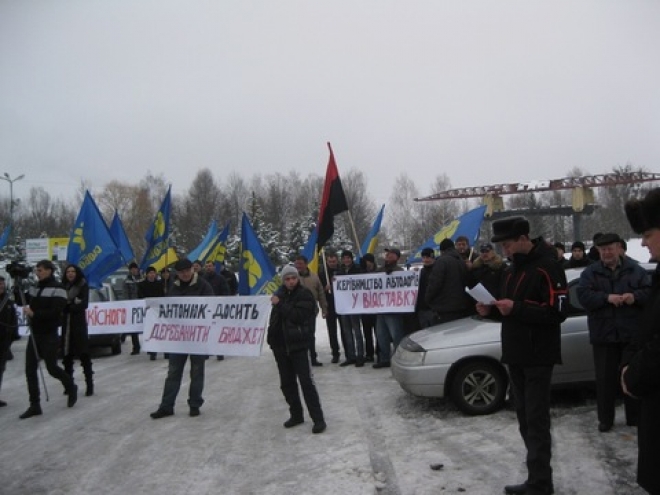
(613,290)
(327,274)
(8,322)
(151,287)
(640,377)
(289,336)
(531,307)
(445,293)
(131,292)
(188,284)
(44,306)
(488,270)
(423,311)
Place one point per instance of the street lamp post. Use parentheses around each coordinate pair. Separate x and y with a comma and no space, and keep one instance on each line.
(11,202)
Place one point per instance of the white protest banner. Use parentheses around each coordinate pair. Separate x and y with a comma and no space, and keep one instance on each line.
(229,326)
(115,317)
(370,293)
(105,317)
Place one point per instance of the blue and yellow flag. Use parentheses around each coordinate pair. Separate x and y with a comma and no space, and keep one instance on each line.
(467,224)
(91,245)
(206,244)
(218,250)
(310,251)
(159,254)
(370,242)
(121,239)
(256,273)
(5,236)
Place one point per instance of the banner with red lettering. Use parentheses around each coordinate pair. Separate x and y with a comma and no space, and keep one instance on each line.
(229,326)
(369,293)
(115,317)
(105,317)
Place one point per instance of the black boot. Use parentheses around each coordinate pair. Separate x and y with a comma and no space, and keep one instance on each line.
(89,375)
(89,383)
(33,410)
(73,395)
(68,368)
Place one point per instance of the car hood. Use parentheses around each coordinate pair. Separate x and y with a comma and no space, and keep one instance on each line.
(458,333)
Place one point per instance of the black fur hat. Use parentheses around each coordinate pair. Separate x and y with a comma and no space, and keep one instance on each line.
(509,228)
(644,214)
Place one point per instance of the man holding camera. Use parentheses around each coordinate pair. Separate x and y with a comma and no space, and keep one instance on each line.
(43,306)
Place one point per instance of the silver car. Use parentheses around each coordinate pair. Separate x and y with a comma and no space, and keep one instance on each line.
(461,359)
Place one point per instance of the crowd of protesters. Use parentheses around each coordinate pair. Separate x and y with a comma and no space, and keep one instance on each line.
(525,275)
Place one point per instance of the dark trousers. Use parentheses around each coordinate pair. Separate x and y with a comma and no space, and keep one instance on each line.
(173,381)
(531,393)
(47,348)
(295,367)
(312,341)
(135,339)
(607,362)
(331,320)
(369,331)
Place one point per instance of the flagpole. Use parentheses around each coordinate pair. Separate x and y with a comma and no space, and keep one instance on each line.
(325,266)
(357,242)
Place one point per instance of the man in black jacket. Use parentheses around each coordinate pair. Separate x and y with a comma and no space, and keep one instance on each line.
(531,307)
(8,322)
(289,335)
(151,287)
(445,293)
(44,306)
(191,285)
(424,313)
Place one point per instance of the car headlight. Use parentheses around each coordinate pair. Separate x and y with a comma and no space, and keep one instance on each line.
(410,353)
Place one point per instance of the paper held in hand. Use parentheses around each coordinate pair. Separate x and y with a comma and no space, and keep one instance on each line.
(480,294)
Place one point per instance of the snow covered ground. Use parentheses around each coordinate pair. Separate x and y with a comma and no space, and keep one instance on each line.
(379,440)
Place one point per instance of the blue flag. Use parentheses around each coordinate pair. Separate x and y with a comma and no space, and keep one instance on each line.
(159,254)
(217,252)
(467,224)
(256,273)
(91,245)
(369,244)
(121,239)
(5,236)
(207,242)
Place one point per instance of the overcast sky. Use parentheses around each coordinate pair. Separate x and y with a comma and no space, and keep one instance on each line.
(484,91)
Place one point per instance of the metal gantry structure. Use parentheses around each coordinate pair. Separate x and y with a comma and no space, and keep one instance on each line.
(582,192)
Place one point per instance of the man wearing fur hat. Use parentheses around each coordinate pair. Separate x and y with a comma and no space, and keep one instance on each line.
(289,335)
(613,290)
(531,307)
(640,377)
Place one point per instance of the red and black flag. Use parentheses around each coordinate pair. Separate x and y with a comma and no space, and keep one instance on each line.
(332,202)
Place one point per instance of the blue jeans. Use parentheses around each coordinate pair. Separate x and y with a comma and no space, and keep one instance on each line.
(353,339)
(173,380)
(389,329)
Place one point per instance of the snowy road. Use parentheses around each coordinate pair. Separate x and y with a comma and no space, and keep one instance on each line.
(379,439)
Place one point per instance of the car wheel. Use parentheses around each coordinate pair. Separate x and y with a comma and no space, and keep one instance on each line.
(116,347)
(479,388)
